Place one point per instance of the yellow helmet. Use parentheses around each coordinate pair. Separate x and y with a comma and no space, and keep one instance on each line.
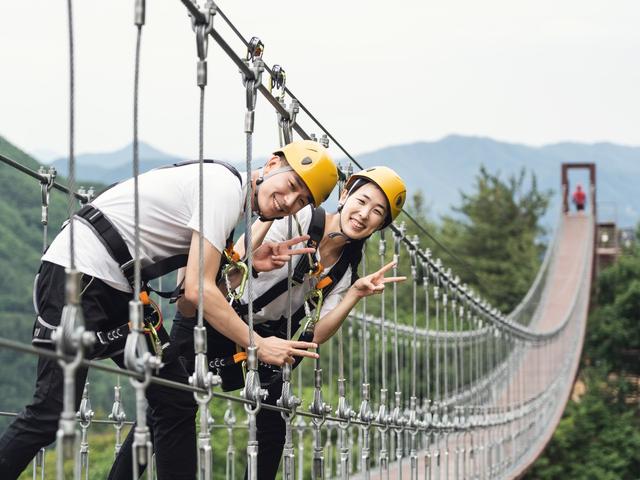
(391,185)
(312,163)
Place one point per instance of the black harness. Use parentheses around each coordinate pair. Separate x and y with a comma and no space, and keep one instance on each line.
(117,248)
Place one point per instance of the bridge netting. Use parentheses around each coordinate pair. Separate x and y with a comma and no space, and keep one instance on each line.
(459,390)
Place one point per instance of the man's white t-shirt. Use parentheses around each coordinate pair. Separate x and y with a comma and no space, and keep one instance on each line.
(168,216)
(279,307)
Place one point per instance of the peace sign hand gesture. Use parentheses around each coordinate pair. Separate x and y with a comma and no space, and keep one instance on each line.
(374,283)
(272,255)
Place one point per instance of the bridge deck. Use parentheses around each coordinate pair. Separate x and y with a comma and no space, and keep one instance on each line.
(563,284)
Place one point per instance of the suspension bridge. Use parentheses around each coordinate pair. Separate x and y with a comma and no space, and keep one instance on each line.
(462,391)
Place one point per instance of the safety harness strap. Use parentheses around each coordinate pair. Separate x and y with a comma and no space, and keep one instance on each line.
(110,238)
(315,232)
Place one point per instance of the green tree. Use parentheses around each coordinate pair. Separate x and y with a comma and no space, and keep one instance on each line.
(496,232)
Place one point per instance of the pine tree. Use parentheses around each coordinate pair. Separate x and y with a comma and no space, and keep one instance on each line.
(497,232)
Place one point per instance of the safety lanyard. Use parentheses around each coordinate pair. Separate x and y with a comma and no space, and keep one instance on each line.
(152,321)
(317,296)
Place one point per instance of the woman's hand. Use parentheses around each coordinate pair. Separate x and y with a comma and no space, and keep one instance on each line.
(272,255)
(374,283)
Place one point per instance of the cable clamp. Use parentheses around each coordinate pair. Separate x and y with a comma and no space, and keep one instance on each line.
(86,195)
(318,406)
(85,413)
(46,182)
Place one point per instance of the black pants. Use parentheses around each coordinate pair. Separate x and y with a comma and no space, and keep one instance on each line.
(271,427)
(35,427)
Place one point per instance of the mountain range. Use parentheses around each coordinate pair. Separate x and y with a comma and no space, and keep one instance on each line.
(444,168)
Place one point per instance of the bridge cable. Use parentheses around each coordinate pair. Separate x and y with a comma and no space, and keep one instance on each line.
(70,337)
(252,390)
(365,413)
(397,419)
(136,354)
(202,377)
(287,398)
(413,422)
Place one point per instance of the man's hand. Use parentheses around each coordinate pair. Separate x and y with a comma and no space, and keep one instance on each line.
(276,351)
(374,283)
(272,255)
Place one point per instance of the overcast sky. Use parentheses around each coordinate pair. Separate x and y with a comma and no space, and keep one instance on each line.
(376,73)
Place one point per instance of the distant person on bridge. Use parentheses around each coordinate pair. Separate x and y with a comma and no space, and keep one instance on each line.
(371,200)
(293,177)
(579,198)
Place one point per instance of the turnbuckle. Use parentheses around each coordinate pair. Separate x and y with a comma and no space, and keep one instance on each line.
(85,413)
(202,377)
(139,13)
(71,337)
(382,416)
(287,399)
(382,245)
(203,27)
(344,410)
(413,256)
(397,418)
(253,390)
(318,406)
(365,413)
(425,269)
(397,238)
(412,422)
(117,414)
(253,79)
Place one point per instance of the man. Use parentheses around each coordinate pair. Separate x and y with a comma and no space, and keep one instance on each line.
(299,174)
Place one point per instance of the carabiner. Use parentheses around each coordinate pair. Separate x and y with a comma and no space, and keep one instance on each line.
(317,295)
(234,262)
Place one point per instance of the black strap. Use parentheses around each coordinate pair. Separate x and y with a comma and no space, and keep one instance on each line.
(315,232)
(110,238)
(117,247)
(350,257)
(227,165)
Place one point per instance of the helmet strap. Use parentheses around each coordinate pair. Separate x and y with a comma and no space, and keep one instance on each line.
(341,232)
